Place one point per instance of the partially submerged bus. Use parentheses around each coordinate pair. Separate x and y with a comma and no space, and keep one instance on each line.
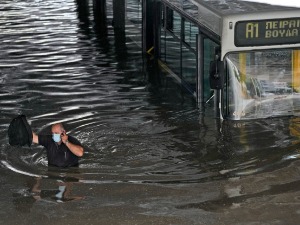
(244,55)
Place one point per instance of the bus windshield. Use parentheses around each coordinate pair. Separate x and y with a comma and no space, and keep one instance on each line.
(262,84)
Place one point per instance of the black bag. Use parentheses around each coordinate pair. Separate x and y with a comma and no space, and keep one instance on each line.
(19,132)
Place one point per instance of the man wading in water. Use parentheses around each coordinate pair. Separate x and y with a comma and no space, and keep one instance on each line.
(62,150)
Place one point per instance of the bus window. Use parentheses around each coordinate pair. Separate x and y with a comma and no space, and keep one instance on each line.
(169,19)
(172,53)
(189,67)
(189,55)
(190,34)
(263,84)
(173,22)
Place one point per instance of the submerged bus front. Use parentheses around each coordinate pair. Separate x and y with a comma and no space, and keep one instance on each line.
(261,54)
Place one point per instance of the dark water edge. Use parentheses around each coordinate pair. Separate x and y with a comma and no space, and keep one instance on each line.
(151,157)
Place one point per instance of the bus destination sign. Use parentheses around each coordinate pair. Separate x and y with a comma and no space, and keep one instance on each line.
(267,32)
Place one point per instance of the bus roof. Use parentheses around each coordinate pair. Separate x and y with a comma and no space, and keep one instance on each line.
(230,7)
(210,14)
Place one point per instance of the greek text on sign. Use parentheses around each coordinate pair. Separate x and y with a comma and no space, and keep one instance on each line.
(267,32)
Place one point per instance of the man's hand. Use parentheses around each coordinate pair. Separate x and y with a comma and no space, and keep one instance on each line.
(35,138)
(64,137)
(75,149)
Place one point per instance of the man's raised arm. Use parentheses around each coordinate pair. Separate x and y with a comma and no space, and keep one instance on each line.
(35,138)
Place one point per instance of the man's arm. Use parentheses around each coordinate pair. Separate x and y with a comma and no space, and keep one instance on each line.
(35,138)
(75,149)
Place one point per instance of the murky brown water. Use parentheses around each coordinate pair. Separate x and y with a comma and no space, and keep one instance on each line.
(151,156)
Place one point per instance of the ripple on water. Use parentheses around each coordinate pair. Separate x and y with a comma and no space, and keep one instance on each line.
(133,131)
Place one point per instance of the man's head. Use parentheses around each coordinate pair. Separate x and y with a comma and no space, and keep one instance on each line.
(57,130)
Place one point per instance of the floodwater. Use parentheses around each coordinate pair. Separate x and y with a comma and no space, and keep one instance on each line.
(151,157)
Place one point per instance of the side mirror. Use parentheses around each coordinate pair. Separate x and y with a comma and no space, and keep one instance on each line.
(216,75)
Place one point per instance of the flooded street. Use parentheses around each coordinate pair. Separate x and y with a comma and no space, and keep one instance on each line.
(151,157)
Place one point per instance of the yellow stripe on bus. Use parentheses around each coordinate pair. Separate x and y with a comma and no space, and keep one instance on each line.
(296,70)
(243,71)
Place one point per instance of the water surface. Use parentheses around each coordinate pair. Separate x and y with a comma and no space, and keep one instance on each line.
(151,157)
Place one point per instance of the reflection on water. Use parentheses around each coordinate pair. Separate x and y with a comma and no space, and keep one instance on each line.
(151,156)
(61,191)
